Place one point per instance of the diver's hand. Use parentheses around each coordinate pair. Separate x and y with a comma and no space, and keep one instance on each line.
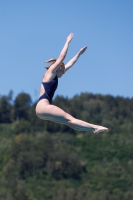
(70,37)
(82,50)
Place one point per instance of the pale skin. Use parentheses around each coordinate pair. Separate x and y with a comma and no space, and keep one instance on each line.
(46,111)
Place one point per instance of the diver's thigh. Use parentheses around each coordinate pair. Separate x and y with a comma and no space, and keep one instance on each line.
(56,114)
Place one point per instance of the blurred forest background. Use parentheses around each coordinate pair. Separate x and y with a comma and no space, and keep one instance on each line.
(41,160)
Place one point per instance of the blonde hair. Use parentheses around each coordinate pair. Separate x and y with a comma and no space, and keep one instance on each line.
(51,60)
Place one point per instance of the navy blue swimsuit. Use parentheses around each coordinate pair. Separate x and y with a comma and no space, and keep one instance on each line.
(50,88)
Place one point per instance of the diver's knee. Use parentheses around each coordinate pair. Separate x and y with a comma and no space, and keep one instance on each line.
(70,119)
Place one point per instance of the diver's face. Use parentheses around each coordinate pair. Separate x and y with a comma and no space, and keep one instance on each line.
(60,71)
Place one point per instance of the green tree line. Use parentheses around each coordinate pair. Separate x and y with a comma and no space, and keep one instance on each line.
(42,160)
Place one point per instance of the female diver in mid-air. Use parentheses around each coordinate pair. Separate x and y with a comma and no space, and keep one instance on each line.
(44,109)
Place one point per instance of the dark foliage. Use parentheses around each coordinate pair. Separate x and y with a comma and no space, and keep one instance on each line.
(44,160)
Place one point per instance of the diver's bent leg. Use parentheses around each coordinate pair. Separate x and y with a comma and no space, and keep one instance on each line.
(55,114)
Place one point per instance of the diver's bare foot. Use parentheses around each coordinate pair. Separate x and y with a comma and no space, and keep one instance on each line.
(100,129)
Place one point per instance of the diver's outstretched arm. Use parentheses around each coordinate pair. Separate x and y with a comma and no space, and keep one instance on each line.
(62,55)
(75,58)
